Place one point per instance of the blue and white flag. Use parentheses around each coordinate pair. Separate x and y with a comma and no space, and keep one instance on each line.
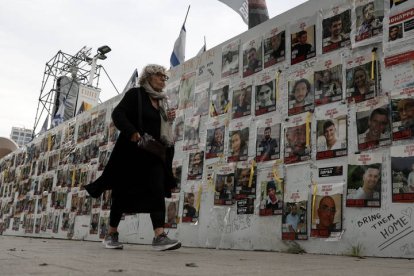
(60,114)
(178,54)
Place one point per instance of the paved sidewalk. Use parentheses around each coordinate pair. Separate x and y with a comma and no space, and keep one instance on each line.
(32,256)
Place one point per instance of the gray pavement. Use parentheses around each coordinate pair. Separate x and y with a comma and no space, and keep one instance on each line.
(33,256)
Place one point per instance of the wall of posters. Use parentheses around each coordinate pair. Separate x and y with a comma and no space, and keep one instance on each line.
(310,140)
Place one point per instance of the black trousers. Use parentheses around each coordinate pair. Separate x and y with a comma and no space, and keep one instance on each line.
(157,218)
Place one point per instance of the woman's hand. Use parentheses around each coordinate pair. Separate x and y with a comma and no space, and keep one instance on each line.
(135,137)
(171,114)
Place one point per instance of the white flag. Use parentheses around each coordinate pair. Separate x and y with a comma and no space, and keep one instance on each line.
(240,6)
(178,54)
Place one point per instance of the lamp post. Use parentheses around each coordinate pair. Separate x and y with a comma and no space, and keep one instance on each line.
(100,55)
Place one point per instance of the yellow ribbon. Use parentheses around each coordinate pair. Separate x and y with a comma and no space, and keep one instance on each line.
(251,173)
(200,190)
(308,119)
(315,189)
(73,177)
(277,84)
(49,142)
(278,179)
(226,107)
(373,59)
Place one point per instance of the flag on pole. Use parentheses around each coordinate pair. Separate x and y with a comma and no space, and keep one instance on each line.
(257,12)
(253,12)
(240,6)
(178,54)
(133,81)
(203,49)
(60,114)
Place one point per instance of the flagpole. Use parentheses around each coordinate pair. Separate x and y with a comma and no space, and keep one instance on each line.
(186,14)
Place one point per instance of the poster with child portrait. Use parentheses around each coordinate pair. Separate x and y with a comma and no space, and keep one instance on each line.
(224,185)
(402,114)
(368,25)
(238,148)
(373,124)
(326,210)
(230,59)
(336,28)
(364,180)
(192,197)
(271,192)
(295,216)
(328,80)
(361,76)
(402,173)
(195,165)
(301,90)
(178,126)
(191,133)
(171,208)
(331,132)
(215,139)
(274,46)
(265,94)
(303,40)
(268,140)
(242,98)
(220,100)
(252,57)
(297,139)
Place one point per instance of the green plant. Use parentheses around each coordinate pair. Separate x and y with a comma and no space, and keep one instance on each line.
(356,250)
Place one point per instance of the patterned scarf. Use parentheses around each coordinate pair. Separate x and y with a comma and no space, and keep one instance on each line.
(166,126)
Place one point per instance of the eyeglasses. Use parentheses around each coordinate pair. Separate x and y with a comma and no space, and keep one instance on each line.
(326,208)
(162,76)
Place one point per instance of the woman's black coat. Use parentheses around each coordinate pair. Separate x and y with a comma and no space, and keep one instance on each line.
(139,180)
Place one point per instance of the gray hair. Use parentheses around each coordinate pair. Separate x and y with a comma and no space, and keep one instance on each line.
(149,70)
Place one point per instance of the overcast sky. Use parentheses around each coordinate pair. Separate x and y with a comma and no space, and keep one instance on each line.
(139,32)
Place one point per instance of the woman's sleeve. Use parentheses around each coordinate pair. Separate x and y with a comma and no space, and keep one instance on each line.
(124,112)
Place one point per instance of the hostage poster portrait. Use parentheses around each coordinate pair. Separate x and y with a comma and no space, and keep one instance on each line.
(215,140)
(271,192)
(326,210)
(230,59)
(224,185)
(295,218)
(252,57)
(265,95)
(238,148)
(336,28)
(301,90)
(195,165)
(402,169)
(328,80)
(297,140)
(364,180)
(245,180)
(303,40)
(274,47)
(402,114)
(268,140)
(242,99)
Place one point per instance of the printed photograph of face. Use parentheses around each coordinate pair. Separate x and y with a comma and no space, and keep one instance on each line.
(171,214)
(195,165)
(332,134)
(252,59)
(274,49)
(303,45)
(373,126)
(328,85)
(364,182)
(201,103)
(242,102)
(265,95)
(327,214)
(219,101)
(239,140)
(295,143)
(215,142)
(267,143)
(358,83)
(186,92)
(402,169)
(402,118)
(224,189)
(301,95)
(173,97)
(336,30)
(369,19)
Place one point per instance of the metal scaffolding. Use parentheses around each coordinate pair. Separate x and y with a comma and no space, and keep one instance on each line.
(63,64)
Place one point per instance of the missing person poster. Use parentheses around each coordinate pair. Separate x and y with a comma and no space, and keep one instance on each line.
(297,139)
(245,180)
(224,185)
(242,98)
(402,169)
(326,210)
(368,26)
(238,149)
(328,80)
(364,180)
(192,197)
(373,124)
(331,132)
(230,59)
(271,185)
(300,90)
(274,46)
(215,139)
(171,208)
(220,98)
(265,93)
(252,57)
(402,114)
(336,28)
(268,140)
(295,217)
(303,40)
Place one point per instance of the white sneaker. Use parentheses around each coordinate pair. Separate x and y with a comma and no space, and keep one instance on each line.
(111,241)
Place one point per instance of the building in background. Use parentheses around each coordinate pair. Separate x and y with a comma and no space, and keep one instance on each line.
(21,135)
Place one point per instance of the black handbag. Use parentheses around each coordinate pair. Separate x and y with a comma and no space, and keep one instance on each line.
(147,142)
